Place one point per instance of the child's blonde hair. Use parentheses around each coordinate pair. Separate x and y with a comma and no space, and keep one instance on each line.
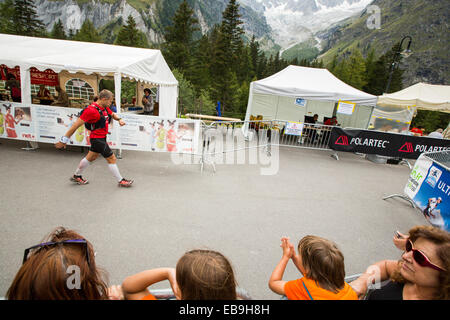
(205,275)
(323,262)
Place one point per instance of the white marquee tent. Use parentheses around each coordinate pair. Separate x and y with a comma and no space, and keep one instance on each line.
(143,65)
(421,95)
(274,97)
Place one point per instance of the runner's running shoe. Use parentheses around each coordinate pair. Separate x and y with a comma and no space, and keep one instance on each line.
(125,183)
(79,179)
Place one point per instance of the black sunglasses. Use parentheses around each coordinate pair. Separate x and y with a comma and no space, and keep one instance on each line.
(47,244)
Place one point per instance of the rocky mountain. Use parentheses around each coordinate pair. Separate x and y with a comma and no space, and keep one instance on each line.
(426,22)
(151,16)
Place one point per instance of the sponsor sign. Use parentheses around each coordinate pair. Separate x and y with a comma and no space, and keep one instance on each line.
(384,143)
(429,187)
(300,102)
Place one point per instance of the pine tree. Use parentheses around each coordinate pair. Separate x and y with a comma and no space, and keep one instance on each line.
(179,38)
(58,31)
(379,75)
(26,20)
(254,57)
(199,68)
(356,70)
(130,36)
(6,17)
(87,33)
(232,33)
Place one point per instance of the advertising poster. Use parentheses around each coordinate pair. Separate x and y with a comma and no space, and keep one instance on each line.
(294,128)
(52,123)
(17,122)
(429,187)
(147,133)
(48,124)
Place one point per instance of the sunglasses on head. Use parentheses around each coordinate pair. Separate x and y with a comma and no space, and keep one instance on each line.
(420,257)
(81,242)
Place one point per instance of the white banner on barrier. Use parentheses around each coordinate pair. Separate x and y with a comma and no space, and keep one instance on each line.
(143,133)
(149,133)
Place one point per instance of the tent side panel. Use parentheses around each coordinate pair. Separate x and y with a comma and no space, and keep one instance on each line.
(168,98)
(265,105)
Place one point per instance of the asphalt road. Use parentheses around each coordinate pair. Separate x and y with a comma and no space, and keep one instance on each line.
(173,208)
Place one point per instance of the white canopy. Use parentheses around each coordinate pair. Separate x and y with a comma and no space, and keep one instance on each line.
(422,95)
(145,65)
(274,97)
(311,84)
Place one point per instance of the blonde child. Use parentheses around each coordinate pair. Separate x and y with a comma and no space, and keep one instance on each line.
(321,263)
(199,275)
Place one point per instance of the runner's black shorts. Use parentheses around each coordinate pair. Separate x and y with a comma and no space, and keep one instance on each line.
(99,145)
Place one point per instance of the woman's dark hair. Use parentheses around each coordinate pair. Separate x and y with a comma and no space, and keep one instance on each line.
(45,274)
(442,239)
(205,275)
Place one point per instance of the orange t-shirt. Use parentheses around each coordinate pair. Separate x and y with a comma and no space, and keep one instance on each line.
(296,290)
(149,297)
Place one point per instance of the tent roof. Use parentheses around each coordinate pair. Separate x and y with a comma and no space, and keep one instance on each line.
(422,95)
(311,84)
(146,65)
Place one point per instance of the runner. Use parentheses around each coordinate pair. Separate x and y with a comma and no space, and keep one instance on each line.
(95,117)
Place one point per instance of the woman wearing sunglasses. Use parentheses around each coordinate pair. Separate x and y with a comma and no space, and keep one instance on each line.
(50,269)
(421,274)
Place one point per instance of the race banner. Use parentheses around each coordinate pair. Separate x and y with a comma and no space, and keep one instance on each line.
(143,133)
(384,143)
(429,187)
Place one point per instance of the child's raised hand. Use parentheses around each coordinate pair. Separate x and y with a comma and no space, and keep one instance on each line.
(287,247)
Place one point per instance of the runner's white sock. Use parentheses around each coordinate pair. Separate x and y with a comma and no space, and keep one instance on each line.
(84,163)
(115,171)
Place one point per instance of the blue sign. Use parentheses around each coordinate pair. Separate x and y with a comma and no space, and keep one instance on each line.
(300,102)
(429,187)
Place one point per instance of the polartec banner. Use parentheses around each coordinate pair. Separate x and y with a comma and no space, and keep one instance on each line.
(143,133)
(429,187)
(384,144)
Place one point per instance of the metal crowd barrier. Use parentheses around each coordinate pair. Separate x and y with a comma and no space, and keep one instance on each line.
(224,137)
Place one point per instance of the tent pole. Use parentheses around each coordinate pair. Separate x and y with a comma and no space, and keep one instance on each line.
(117,94)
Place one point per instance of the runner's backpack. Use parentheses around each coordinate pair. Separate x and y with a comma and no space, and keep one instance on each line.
(101,123)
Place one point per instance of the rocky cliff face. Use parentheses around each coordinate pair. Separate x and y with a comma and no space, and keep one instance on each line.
(151,16)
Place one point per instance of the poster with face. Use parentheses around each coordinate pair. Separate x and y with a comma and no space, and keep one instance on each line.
(16,121)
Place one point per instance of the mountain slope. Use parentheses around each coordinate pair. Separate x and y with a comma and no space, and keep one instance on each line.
(151,16)
(425,21)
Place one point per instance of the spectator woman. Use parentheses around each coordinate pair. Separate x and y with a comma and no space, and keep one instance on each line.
(62,267)
(421,274)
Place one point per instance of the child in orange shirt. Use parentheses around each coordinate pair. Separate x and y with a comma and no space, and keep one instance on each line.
(322,265)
